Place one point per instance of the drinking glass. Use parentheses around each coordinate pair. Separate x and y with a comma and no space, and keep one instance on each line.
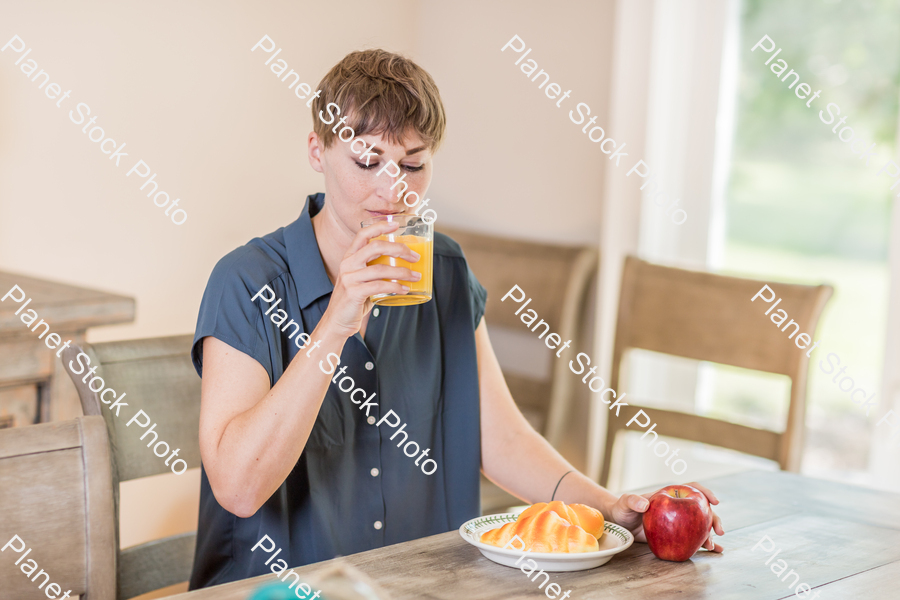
(418,235)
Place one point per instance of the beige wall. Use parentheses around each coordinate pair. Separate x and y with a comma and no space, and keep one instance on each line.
(223,134)
(177,82)
(514,164)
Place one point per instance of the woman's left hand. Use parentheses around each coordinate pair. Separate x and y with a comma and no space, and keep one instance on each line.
(629,509)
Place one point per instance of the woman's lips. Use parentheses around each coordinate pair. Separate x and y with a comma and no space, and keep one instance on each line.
(383,212)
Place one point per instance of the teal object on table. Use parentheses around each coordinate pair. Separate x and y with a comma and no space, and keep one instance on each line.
(273,591)
(276,591)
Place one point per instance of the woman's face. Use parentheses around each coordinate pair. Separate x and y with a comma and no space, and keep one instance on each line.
(354,191)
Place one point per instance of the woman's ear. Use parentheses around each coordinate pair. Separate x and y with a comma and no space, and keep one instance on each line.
(314,151)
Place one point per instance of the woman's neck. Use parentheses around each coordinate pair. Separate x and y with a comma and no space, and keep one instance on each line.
(333,240)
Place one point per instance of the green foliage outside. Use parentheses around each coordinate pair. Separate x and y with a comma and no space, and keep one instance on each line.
(793,184)
(801,207)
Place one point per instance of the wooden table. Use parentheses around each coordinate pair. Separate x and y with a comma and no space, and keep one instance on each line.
(843,541)
(34,386)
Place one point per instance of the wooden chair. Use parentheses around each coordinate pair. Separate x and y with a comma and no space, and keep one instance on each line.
(56,495)
(159,379)
(556,278)
(710,317)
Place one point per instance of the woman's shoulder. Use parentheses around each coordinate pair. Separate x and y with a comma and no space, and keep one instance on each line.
(256,263)
(454,273)
(444,245)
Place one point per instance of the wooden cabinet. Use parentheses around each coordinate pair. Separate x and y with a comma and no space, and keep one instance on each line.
(34,387)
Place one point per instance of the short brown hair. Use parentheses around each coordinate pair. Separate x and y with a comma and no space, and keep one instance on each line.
(381,93)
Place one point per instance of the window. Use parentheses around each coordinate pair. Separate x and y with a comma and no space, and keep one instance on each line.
(800,207)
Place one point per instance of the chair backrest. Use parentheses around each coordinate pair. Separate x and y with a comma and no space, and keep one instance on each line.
(710,317)
(56,496)
(158,378)
(556,278)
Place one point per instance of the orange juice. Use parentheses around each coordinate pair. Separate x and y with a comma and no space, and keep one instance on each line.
(419,291)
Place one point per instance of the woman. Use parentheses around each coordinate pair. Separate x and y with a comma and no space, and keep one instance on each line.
(289,455)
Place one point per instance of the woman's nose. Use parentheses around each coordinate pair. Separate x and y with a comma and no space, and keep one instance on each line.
(392,188)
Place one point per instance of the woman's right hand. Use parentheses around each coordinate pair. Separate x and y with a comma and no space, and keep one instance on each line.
(356,281)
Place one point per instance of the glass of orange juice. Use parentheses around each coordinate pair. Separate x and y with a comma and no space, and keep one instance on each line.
(418,235)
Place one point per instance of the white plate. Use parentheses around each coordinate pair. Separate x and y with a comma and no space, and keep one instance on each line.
(615,539)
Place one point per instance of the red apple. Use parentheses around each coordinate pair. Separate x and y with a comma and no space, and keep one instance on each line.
(677,522)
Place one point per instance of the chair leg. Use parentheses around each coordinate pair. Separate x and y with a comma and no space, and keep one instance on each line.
(42,414)
(607,455)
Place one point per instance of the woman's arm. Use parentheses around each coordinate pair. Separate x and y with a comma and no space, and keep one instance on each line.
(251,436)
(518,459)
(515,456)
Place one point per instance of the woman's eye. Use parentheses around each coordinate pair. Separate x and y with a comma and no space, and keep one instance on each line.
(413,169)
(365,167)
